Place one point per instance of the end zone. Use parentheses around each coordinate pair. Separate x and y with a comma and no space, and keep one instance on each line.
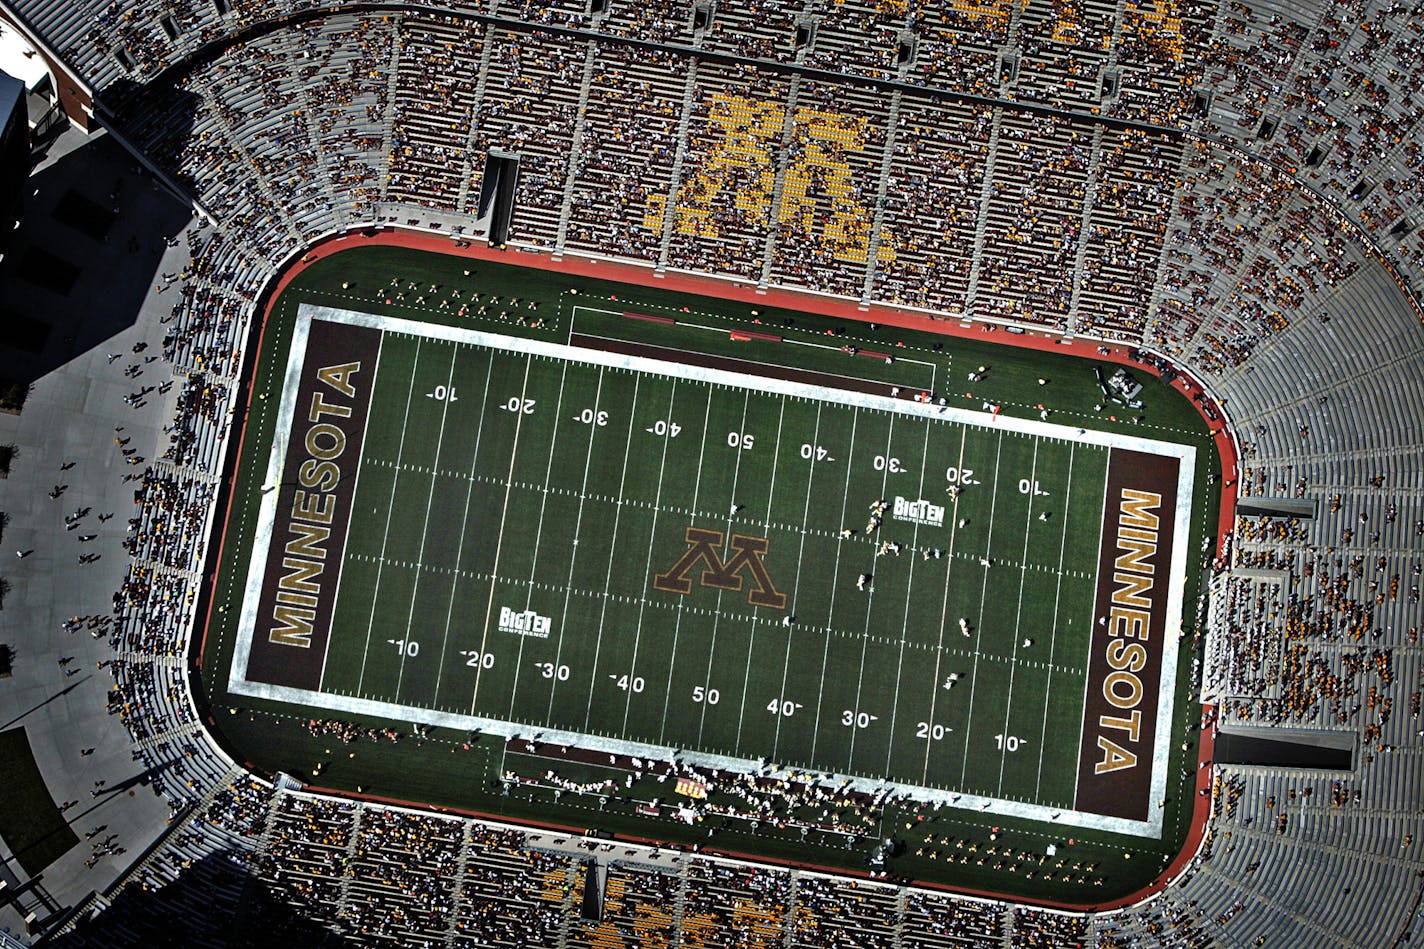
(1127,710)
(302,536)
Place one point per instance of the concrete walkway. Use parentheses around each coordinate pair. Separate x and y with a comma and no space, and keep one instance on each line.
(65,437)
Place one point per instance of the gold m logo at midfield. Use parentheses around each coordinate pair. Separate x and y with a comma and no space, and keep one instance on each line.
(702,546)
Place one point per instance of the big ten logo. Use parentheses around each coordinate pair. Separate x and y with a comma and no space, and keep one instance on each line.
(738,172)
(703,546)
(524,623)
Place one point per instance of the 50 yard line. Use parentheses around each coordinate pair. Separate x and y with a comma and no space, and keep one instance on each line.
(717,617)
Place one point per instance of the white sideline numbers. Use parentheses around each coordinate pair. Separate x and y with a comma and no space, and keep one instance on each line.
(550,671)
(933,732)
(892,464)
(406,647)
(519,406)
(707,696)
(850,717)
(1009,742)
(960,476)
(478,660)
(628,683)
(1029,486)
(742,440)
(591,417)
(811,452)
(783,707)
(665,428)
(443,394)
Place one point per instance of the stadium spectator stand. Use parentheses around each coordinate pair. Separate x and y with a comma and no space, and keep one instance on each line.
(1234,185)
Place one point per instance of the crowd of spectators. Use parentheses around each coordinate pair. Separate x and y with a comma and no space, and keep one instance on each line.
(1049,196)
(639,909)
(387,875)
(1207,244)
(171,529)
(933,194)
(627,150)
(1330,89)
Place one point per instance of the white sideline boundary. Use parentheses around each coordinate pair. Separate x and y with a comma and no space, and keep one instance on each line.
(247,623)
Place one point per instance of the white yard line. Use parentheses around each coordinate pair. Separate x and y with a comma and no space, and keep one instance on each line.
(464,523)
(395,478)
(800,555)
(499,538)
(539,533)
(355,494)
(979,625)
(943,614)
(425,524)
(612,544)
(1053,629)
(573,554)
(648,564)
(835,571)
(905,624)
(765,529)
(1018,617)
(869,601)
(717,620)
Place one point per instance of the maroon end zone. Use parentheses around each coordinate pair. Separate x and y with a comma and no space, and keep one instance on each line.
(1125,664)
(318,476)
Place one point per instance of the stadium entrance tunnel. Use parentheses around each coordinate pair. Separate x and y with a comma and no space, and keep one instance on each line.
(1277,748)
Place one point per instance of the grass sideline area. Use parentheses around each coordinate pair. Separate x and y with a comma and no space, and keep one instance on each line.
(422,769)
(30,823)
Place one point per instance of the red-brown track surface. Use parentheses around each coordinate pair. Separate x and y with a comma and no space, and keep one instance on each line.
(807,302)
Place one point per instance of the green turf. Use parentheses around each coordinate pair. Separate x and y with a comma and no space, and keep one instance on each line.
(748,657)
(598,504)
(30,823)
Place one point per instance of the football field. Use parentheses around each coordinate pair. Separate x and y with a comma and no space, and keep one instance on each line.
(728,559)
